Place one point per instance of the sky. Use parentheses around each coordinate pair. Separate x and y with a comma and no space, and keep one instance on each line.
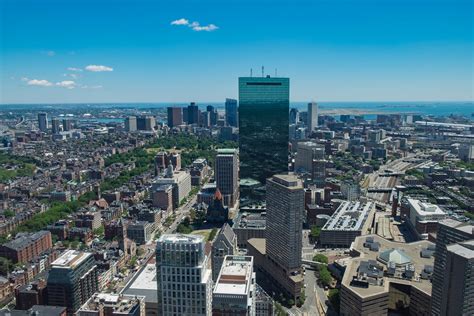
(84,51)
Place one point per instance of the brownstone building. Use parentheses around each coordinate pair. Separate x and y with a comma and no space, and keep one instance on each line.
(26,246)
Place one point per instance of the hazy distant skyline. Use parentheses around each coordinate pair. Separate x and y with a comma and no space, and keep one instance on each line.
(55,51)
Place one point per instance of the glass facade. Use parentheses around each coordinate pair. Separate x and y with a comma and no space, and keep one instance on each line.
(263,131)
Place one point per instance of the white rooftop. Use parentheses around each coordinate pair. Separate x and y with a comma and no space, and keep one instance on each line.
(146,280)
(423,208)
(70,258)
(180,238)
(349,216)
(235,276)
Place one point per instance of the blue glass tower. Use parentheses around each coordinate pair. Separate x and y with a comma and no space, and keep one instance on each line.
(263,131)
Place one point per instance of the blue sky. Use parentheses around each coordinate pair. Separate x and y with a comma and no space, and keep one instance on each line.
(332,50)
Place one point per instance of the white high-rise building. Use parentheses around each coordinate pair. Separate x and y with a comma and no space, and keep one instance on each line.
(234,292)
(183,276)
(312,116)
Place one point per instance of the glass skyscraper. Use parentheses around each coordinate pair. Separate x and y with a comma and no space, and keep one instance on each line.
(263,131)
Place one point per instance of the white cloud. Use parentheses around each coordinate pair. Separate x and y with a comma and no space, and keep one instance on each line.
(24,79)
(98,68)
(74,69)
(206,28)
(181,21)
(68,84)
(92,87)
(195,26)
(40,83)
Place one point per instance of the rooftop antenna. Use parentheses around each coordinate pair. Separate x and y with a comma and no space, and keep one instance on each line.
(263,71)
(276,72)
(251,71)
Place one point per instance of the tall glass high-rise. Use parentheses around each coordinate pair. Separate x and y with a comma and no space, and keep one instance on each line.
(263,131)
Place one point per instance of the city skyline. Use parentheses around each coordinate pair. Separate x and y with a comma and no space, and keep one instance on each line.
(389,51)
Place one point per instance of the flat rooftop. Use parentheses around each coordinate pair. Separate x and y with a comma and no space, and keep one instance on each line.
(288,180)
(145,284)
(235,276)
(70,259)
(424,209)
(411,250)
(349,216)
(181,239)
(120,303)
(250,220)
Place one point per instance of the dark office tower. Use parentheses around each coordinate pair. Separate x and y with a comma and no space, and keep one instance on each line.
(146,123)
(72,280)
(263,128)
(294,116)
(67,125)
(453,270)
(193,113)
(227,174)
(55,125)
(175,116)
(231,112)
(185,115)
(212,115)
(43,122)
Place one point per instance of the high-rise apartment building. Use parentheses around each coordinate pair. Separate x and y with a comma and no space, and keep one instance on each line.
(72,280)
(312,116)
(227,174)
(43,122)
(131,124)
(285,209)
(263,122)
(175,116)
(231,112)
(453,276)
(234,291)
(183,276)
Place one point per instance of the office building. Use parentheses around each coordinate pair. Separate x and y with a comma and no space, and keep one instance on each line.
(39,310)
(285,209)
(72,280)
(213,115)
(55,126)
(225,244)
(263,123)
(234,291)
(231,113)
(448,258)
(43,122)
(227,175)
(312,117)
(131,124)
(424,217)
(162,197)
(350,220)
(67,125)
(385,276)
(278,256)
(307,152)
(144,284)
(140,231)
(350,190)
(180,182)
(183,276)
(146,123)
(110,304)
(248,224)
(175,116)
(193,113)
(294,116)
(26,246)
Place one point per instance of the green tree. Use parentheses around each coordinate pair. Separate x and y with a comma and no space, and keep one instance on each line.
(212,234)
(334,298)
(324,275)
(315,232)
(320,258)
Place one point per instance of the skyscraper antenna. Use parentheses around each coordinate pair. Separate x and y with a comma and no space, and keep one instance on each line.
(276,72)
(251,70)
(263,71)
